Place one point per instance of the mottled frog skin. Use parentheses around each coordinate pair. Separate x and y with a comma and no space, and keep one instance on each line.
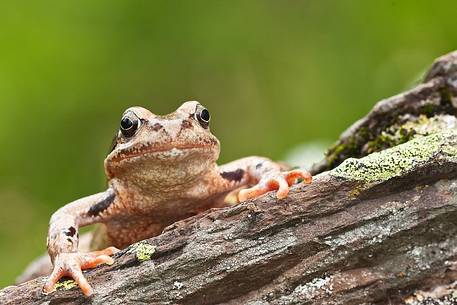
(161,169)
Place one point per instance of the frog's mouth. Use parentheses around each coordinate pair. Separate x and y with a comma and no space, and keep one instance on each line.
(166,150)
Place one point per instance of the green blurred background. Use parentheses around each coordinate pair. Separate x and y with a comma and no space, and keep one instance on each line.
(274,74)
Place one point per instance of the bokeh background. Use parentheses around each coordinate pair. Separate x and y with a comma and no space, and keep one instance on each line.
(274,74)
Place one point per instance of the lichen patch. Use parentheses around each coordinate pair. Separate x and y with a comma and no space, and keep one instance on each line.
(66,285)
(142,250)
(398,160)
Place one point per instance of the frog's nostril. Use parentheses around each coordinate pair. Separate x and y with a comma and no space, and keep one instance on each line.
(157,127)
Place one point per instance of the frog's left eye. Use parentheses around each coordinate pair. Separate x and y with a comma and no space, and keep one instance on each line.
(129,125)
(203,117)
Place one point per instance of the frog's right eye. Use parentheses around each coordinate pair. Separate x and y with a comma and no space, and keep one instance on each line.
(129,125)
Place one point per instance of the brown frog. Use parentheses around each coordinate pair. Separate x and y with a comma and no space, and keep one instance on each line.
(161,169)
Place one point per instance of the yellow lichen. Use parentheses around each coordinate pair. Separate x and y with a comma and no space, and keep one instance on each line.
(398,160)
(395,133)
(66,285)
(142,250)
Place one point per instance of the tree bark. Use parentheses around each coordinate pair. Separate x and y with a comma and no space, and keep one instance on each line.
(380,229)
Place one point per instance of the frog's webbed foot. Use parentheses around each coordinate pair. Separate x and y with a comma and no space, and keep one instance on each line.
(279,181)
(72,264)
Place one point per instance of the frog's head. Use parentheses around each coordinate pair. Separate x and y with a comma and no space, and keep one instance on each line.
(177,146)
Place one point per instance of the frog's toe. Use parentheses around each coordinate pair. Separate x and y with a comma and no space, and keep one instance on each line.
(283,181)
(95,258)
(52,280)
(72,270)
(296,174)
(279,182)
(79,278)
(72,264)
(250,193)
(94,261)
(107,251)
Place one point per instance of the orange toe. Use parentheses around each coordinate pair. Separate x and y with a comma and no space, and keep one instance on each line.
(307,178)
(82,282)
(72,264)
(293,175)
(93,262)
(55,276)
(49,287)
(250,193)
(107,251)
(283,189)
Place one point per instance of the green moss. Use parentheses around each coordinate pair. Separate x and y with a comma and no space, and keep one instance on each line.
(363,143)
(398,160)
(340,150)
(66,285)
(386,140)
(142,250)
(396,135)
(442,106)
(389,130)
(428,109)
(446,100)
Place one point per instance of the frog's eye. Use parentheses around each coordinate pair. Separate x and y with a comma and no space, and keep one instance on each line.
(129,125)
(203,117)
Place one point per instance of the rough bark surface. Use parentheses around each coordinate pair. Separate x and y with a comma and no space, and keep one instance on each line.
(381,229)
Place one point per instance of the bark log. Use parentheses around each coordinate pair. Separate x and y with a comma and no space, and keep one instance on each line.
(381,229)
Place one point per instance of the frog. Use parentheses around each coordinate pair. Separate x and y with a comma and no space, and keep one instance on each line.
(160,169)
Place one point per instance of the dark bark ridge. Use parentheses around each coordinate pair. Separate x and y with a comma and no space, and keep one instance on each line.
(372,230)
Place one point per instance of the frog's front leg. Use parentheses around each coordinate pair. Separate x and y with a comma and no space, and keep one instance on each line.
(63,239)
(264,174)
